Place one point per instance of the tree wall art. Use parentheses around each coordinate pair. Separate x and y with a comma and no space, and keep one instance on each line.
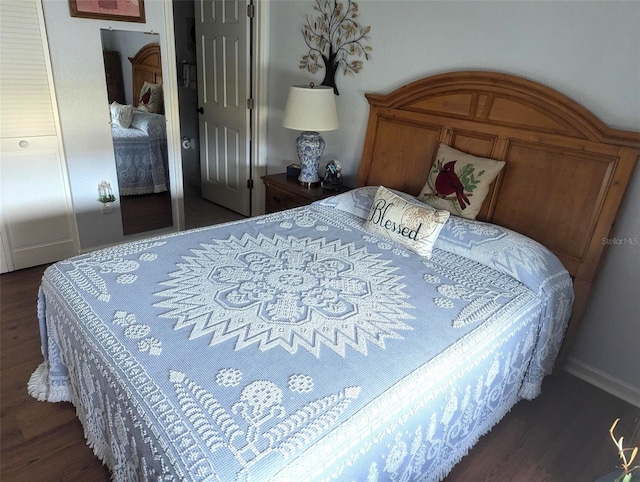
(333,35)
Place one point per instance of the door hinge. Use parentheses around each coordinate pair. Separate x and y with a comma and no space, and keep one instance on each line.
(250,103)
(249,183)
(251,10)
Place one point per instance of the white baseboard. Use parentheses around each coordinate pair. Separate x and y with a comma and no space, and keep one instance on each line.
(604,381)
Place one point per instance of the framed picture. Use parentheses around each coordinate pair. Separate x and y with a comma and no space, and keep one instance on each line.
(122,10)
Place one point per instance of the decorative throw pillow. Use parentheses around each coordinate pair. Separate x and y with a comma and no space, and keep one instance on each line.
(459,182)
(121,115)
(151,99)
(409,223)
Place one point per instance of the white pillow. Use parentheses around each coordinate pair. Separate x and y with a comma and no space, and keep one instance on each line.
(411,224)
(121,115)
(459,182)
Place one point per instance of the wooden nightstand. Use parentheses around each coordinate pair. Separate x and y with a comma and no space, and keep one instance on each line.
(284,192)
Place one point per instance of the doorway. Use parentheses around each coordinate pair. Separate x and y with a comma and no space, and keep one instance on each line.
(199,211)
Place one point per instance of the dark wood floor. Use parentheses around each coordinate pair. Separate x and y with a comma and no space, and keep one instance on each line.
(146,212)
(560,436)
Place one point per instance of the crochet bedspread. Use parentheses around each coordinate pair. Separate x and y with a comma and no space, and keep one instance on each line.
(141,154)
(298,346)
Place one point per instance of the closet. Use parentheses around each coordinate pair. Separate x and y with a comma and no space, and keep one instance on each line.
(37,223)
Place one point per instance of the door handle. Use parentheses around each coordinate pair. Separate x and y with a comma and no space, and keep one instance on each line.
(200,110)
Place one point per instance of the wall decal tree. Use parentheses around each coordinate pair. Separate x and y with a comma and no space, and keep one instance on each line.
(332,35)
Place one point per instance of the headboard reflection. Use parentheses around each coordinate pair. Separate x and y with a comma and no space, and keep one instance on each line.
(146,66)
(565,173)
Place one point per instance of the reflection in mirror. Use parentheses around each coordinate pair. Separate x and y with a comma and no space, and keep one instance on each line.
(133,72)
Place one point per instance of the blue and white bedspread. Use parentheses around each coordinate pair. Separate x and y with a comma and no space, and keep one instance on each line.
(141,154)
(298,346)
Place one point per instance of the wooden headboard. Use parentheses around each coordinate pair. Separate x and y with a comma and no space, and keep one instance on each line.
(146,66)
(565,173)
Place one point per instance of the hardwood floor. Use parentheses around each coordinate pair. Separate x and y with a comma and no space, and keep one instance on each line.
(146,212)
(40,441)
(560,436)
(153,211)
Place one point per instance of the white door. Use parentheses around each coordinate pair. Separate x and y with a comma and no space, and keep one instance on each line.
(223,29)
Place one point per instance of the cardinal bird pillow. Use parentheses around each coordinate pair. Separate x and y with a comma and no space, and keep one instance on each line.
(151,98)
(459,182)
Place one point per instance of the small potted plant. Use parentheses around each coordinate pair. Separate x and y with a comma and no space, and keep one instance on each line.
(627,469)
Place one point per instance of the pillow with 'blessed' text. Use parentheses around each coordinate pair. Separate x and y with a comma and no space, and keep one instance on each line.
(121,115)
(413,225)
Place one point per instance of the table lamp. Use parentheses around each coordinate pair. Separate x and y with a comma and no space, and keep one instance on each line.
(310,109)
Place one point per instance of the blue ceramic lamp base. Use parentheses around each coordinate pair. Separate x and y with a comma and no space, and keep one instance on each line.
(310,146)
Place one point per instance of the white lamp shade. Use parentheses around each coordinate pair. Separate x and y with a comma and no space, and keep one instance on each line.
(311,109)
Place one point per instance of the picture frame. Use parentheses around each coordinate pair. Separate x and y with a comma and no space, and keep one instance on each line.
(120,10)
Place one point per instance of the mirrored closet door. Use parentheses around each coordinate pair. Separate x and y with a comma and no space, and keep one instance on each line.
(133,74)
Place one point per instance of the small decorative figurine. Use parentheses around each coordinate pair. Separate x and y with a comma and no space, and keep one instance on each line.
(332,176)
(105,193)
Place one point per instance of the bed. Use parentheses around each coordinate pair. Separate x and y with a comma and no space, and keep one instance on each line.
(303,345)
(141,154)
(140,143)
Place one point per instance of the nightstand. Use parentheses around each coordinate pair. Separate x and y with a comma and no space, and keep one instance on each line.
(284,192)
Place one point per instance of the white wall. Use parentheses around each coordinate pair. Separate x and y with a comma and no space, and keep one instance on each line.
(590,51)
(78,72)
(607,352)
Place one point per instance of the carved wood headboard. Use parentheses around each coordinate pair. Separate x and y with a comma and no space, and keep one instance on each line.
(146,66)
(565,173)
